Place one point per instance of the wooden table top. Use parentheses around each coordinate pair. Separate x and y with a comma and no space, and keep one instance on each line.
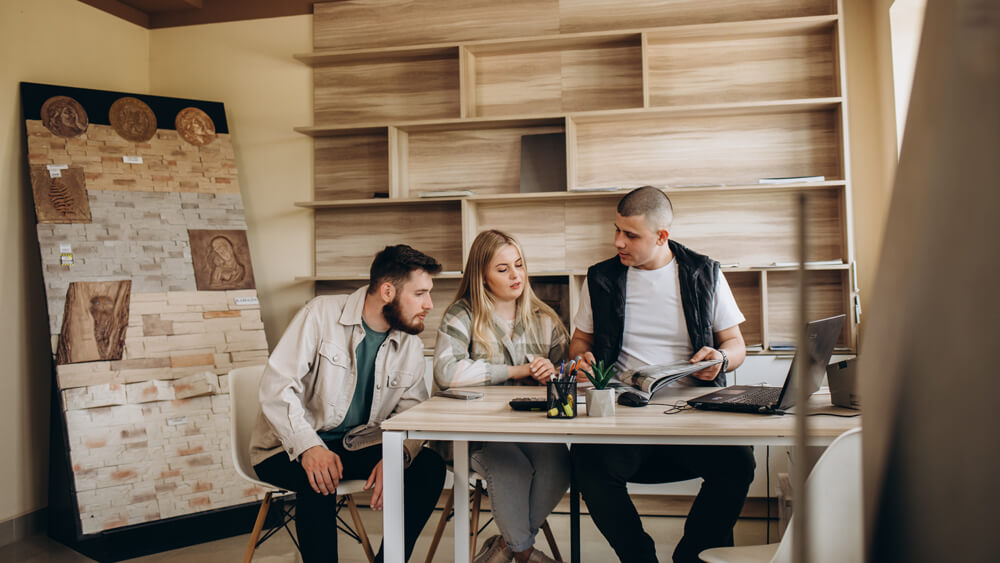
(492,415)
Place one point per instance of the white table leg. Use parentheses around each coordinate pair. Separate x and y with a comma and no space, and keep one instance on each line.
(461,520)
(392,496)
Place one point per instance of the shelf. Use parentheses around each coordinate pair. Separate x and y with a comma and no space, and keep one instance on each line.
(364,56)
(557,41)
(563,74)
(351,27)
(574,233)
(700,100)
(483,161)
(351,167)
(714,144)
(583,117)
(780,61)
(425,88)
(568,195)
(828,294)
(597,15)
(348,238)
(746,288)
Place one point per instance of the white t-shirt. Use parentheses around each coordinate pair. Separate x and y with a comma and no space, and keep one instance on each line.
(655,329)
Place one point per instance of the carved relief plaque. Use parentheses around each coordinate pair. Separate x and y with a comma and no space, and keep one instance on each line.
(132,119)
(221,259)
(195,126)
(94,322)
(64,116)
(60,199)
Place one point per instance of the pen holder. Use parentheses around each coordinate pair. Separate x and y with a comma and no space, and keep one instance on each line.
(561,399)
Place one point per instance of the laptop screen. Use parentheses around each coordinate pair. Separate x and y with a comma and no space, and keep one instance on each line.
(822,337)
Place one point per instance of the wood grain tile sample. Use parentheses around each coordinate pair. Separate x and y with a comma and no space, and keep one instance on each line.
(94,322)
(60,199)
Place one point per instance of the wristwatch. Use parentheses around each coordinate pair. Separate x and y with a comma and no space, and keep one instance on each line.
(725,360)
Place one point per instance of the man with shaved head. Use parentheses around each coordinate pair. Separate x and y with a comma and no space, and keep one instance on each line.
(658,302)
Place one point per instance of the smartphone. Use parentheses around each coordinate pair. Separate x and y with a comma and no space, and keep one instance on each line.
(459,394)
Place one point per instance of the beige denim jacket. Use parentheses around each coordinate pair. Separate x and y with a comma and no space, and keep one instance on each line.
(310,377)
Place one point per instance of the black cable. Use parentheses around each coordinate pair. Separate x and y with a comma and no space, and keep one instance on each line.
(834,414)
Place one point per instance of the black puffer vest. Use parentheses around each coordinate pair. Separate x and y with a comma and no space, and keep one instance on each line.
(606,281)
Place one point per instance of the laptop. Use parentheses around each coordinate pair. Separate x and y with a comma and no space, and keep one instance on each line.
(822,336)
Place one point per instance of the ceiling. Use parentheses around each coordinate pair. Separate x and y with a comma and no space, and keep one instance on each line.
(153,14)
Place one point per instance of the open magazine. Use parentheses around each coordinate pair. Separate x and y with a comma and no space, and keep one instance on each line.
(649,379)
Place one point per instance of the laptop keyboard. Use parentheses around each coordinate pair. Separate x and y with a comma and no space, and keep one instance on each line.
(762,396)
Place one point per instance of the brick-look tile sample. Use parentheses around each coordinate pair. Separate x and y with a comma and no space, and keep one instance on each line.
(146,404)
(94,322)
(221,259)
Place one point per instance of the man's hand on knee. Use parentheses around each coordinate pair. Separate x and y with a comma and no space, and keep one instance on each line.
(323,468)
(374,484)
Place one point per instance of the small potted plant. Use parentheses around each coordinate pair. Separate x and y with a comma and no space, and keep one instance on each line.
(600,399)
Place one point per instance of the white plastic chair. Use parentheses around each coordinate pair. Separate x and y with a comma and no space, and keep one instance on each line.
(244,384)
(835,513)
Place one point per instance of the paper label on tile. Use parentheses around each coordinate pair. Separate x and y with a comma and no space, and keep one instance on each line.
(246,301)
(129,159)
(55,170)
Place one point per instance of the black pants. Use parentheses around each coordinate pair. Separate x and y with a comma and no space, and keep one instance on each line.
(602,472)
(315,514)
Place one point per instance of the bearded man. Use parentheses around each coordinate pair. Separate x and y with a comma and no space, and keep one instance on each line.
(345,364)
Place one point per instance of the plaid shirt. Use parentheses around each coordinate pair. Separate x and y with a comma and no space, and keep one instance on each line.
(459,363)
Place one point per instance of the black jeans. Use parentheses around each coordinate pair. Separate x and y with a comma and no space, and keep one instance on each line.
(315,514)
(602,472)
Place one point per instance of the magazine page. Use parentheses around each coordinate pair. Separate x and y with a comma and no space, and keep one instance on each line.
(650,378)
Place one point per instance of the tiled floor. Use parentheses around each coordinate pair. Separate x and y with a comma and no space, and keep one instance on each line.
(279,549)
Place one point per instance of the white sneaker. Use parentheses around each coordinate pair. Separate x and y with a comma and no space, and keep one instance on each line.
(495,550)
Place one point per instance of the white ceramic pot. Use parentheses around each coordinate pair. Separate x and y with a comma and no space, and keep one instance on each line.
(600,402)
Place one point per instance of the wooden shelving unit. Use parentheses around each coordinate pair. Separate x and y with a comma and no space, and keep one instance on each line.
(703,99)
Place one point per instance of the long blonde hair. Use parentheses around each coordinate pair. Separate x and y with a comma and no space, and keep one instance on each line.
(473,289)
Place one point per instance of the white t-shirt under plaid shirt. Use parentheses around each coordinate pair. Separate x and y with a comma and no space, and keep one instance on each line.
(459,363)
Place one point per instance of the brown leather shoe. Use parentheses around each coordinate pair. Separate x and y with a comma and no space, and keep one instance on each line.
(495,550)
(539,557)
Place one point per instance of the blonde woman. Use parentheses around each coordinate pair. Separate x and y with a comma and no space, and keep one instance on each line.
(497,332)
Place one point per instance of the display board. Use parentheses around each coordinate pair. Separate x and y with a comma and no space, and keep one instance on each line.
(151,297)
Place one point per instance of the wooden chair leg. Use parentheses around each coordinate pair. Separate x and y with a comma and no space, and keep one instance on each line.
(448,504)
(257,527)
(477,499)
(359,526)
(552,541)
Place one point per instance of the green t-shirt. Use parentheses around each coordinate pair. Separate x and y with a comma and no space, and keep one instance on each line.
(361,403)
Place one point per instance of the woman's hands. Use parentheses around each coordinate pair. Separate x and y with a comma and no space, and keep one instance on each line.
(538,368)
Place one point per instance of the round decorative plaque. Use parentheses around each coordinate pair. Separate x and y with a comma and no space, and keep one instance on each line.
(64,116)
(132,119)
(195,126)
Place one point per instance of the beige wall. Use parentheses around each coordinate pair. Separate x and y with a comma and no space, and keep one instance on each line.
(58,42)
(249,67)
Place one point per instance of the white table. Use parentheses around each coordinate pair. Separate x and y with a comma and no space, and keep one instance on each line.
(490,419)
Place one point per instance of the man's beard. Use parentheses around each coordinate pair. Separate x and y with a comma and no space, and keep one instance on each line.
(394,315)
